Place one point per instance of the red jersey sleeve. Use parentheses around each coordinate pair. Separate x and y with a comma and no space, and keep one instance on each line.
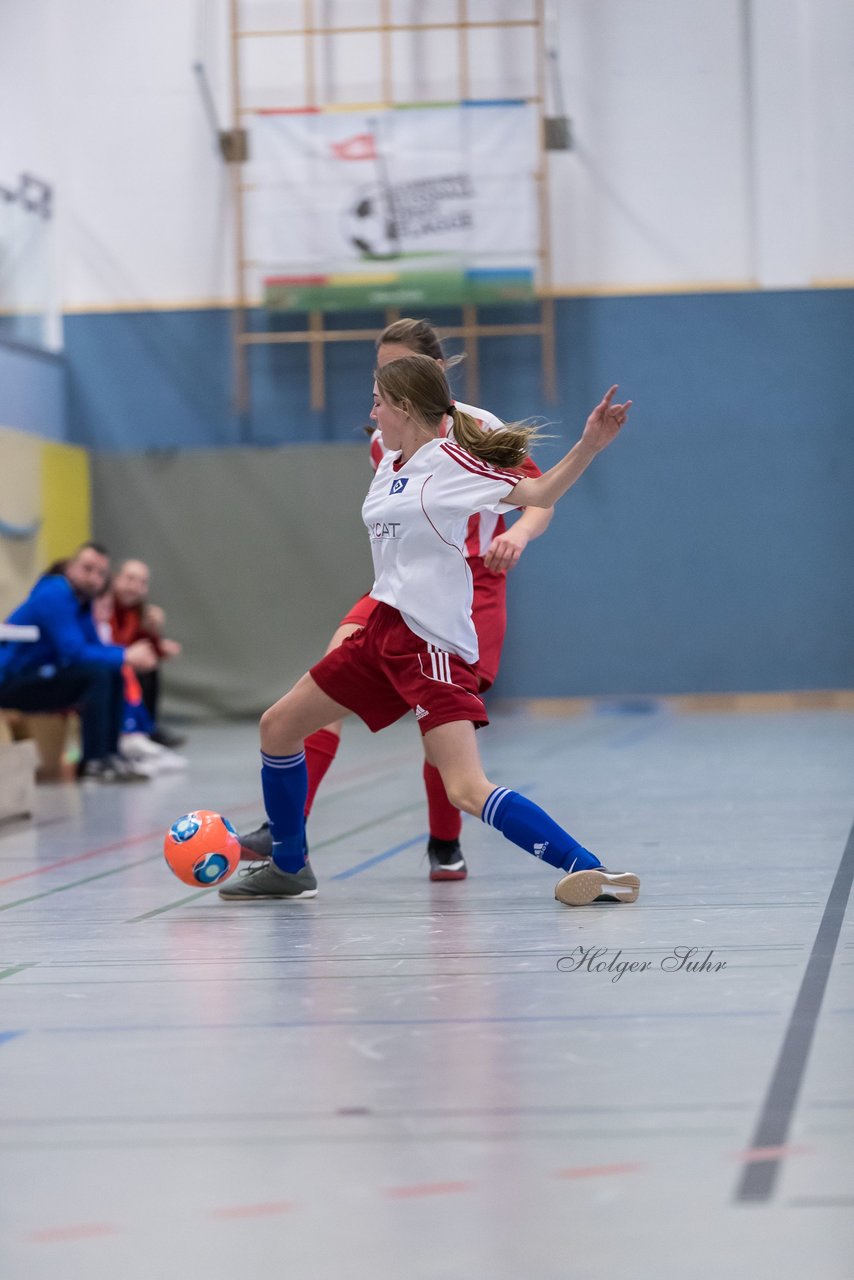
(376,449)
(529,468)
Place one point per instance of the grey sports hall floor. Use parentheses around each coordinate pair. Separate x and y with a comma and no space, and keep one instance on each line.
(404,1080)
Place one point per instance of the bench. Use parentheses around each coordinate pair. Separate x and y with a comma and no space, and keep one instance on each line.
(48,732)
(18,764)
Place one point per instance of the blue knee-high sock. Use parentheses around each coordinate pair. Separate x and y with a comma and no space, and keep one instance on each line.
(284,781)
(529,826)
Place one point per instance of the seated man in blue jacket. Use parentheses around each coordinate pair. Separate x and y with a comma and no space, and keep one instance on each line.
(69,666)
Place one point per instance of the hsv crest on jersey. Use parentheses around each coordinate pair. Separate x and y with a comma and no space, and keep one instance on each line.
(398,485)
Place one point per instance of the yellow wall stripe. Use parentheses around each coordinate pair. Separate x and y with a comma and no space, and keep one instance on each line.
(65,500)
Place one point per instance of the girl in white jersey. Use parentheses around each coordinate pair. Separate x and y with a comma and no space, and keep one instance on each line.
(491,551)
(416,651)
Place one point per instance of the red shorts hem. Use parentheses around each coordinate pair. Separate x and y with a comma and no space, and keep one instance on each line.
(384,671)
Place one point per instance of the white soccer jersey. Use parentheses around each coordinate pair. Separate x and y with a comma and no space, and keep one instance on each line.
(416,514)
(483,526)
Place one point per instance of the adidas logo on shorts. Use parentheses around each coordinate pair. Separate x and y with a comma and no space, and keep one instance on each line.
(420,713)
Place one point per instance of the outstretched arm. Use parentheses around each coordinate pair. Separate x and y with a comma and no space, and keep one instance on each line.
(602,427)
(505,550)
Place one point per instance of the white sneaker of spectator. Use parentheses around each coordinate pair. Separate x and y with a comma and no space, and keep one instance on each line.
(138,746)
(149,756)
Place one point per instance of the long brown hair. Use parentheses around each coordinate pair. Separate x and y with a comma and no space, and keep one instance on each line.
(417,385)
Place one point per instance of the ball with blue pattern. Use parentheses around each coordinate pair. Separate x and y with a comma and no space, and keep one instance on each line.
(202,848)
(185,828)
(211,868)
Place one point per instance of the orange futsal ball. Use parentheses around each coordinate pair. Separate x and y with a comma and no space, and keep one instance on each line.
(202,848)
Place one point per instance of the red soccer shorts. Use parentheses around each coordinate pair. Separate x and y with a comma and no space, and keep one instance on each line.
(385,670)
(359,613)
(488,612)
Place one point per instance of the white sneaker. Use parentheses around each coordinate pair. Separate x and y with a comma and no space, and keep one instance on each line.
(150,757)
(138,746)
(580,888)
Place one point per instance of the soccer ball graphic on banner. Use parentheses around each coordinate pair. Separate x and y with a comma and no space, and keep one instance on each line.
(202,848)
(370,227)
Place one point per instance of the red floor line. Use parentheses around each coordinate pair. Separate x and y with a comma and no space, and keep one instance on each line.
(427,1189)
(353,771)
(755,1155)
(83,1231)
(147,837)
(83,857)
(92,1230)
(254,1210)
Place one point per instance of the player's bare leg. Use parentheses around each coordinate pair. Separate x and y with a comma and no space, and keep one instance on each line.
(453,749)
(303,710)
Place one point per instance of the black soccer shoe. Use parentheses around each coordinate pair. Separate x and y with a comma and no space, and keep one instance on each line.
(446,860)
(257,844)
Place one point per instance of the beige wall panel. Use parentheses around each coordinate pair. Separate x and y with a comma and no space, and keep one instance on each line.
(20,507)
(255,555)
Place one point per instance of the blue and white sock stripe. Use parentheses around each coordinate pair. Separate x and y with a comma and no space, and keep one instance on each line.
(441,661)
(282,762)
(490,809)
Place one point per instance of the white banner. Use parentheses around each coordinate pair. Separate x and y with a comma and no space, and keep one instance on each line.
(357,200)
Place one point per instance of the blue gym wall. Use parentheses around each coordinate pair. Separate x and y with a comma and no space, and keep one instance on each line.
(161,380)
(710,550)
(33,392)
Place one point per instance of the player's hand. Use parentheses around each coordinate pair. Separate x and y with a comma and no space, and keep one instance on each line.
(141,655)
(605,422)
(170,648)
(505,550)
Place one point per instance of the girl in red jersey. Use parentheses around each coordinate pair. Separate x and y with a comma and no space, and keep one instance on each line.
(418,650)
(491,550)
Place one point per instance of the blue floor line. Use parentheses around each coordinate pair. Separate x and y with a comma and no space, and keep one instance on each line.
(380,857)
(356,870)
(306,1024)
(10,1035)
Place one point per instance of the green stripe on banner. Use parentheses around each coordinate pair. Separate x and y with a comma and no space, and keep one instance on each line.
(419,106)
(412,289)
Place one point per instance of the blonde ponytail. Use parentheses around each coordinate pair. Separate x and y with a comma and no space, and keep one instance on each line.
(507,447)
